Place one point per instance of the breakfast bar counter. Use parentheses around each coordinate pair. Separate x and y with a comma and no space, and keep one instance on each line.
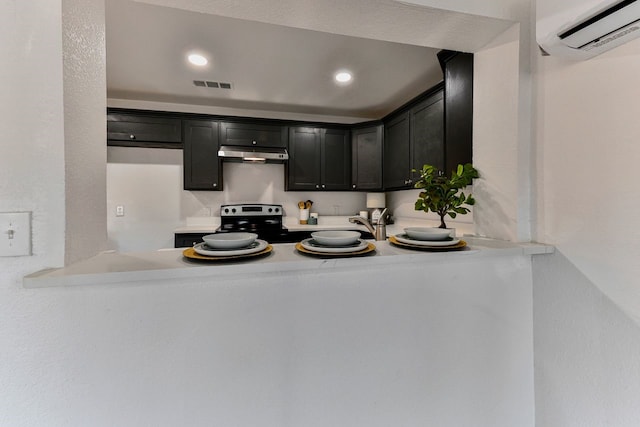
(169,264)
(394,334)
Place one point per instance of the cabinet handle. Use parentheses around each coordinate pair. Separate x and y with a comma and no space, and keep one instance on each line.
(254,143)
(353,186)
(215,184)
(406,181)
(322,185)
(132,136)
(317,186)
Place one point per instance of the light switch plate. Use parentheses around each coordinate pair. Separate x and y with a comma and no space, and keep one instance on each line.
(15,233)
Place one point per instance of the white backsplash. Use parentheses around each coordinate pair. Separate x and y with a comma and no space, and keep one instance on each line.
(148,183)
(264,183)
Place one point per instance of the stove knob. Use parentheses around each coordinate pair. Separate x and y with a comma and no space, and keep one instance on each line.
(270,210)
(226,210)
(277,210)
(233,210)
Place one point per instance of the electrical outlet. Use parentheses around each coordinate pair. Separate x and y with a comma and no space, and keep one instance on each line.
(15,234)
(120,210)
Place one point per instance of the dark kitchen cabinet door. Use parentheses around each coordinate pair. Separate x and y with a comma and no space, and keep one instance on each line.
(319,159)
(397,152)
(202,169)
(458,108)
(427,133)
(142,130)
(303,167)
(335,160)
(253,135)
(366,158)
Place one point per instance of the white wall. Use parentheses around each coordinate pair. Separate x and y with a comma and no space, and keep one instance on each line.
(587,305)
(32,178)
(496,124)
(149,182)
(32,147)
(85,129)
(443,343)
(586,351)
(588,152)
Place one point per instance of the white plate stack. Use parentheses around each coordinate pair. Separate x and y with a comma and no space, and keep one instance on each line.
(230,244)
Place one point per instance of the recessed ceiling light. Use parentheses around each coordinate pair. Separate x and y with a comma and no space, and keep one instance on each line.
(197,59)
(343,77)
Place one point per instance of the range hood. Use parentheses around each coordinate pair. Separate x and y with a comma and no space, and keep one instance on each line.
(253,154)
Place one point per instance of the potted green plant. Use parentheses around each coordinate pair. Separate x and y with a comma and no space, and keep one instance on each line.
(441,194)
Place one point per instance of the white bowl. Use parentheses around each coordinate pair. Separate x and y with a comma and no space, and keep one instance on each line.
(427,233)
(336,238)
(229,240)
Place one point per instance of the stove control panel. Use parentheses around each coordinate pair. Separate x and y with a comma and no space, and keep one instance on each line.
(251,210)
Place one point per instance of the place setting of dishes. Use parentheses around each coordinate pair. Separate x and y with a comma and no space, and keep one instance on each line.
(428,239)
(228,246)
(331,244)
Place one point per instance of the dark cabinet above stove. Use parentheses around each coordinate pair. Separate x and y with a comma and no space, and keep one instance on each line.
(253,135)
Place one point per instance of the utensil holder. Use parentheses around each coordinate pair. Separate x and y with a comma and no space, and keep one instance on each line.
(304,216)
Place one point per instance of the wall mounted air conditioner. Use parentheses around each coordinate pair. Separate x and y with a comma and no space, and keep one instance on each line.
(582,29)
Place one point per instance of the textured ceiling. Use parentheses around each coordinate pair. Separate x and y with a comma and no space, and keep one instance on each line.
(390,20)
(284,67)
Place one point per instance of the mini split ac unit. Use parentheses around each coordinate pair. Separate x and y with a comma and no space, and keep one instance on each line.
(582,29)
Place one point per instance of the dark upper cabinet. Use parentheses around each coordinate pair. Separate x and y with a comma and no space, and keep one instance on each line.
(427,134)
(366,158)
(304,159)
(141,130)
(397,151)
(202,169)
(319,159)
(414,137)
(253,134)
(336,159)
(458,107)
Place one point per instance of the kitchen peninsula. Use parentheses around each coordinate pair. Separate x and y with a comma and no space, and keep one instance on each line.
(407,335)
(111,267)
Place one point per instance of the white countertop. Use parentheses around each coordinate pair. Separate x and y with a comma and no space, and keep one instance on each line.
(153,267)
(210,224)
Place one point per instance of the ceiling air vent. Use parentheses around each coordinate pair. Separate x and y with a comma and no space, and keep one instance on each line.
(212,85)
